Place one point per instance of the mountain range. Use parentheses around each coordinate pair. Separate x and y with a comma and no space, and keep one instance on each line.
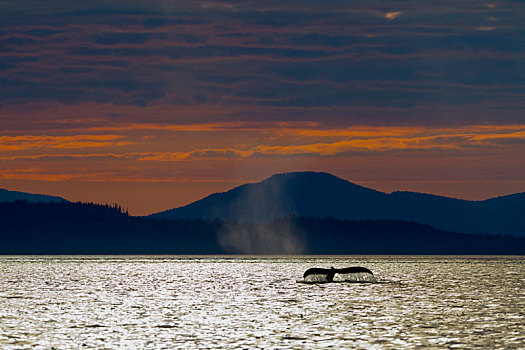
(314,194)
(293,213)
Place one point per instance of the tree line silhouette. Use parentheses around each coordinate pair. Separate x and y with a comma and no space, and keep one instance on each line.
(88,228)
(60,210)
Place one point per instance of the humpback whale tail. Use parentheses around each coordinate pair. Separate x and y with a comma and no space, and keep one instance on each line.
(348,274)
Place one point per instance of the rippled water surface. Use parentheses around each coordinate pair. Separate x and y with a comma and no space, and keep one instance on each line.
(232,302)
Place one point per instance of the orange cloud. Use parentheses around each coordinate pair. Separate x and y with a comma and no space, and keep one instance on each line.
(24,142)
(499,136)
(392,15)
(258,139)
(226,153)
(196,158)
(314,129)
(370,145)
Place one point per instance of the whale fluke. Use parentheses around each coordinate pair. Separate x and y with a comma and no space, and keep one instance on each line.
(321,271)
(328,274)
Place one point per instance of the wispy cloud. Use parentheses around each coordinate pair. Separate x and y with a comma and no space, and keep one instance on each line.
(24,142)
(260,139)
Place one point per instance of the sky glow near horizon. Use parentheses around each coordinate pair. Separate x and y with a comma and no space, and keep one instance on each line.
(153,104)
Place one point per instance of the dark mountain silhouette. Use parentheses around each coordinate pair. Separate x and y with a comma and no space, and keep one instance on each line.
(85,228)
(301,194)
(324,195)
(10,196)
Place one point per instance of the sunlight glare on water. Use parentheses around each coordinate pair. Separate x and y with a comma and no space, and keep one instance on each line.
(246,302)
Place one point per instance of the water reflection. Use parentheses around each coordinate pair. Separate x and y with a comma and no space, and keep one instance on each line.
(232,302)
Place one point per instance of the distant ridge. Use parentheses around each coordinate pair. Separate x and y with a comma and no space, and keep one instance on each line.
(11,196)
(319,194)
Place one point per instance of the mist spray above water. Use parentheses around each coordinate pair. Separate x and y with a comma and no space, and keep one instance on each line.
(252,238)
(252,231)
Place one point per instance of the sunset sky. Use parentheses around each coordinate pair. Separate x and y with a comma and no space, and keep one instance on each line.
(154,104)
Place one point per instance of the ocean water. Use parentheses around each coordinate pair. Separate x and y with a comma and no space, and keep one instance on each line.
(155,302)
